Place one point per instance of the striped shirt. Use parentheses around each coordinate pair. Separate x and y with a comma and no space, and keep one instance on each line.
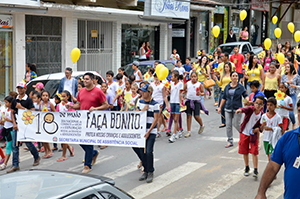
(153,108)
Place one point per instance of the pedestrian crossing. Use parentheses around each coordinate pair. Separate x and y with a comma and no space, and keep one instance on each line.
(175,173)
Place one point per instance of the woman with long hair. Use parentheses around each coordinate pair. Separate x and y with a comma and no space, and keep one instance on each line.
(267,60)
(142,52)
(232,99)
(271,82)
(293,80)
(30,72)
(224,80)
(203,71)
(244,35)
(255,72)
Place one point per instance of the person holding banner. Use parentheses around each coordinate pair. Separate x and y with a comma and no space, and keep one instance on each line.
(21,102)
(146,154)
(95,103)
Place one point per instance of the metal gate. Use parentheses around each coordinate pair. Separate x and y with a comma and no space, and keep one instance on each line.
(43,43)
(95,43)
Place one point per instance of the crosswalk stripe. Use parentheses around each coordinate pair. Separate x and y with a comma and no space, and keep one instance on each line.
(275,191)
(215,189)
(124,170)
(242,159)
(165,179)
(99,160)
(218,139)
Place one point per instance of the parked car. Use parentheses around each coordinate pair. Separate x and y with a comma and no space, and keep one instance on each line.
(55,184)
(145,65)
(51,81)
(245,47)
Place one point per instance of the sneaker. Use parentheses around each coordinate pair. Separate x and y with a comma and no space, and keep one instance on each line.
(95,158)
(188,134)
(178,135)
(36,162)
(201,129)
(246,173)
(255,173)
(172,138)
(158,135)
(168,133)
(13,169)
(143,177)
(2,166)
(181,130)
(86,169)
(150,177)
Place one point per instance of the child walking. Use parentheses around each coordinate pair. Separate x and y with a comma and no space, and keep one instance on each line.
(7,131)
(122,71)
(112,88)
(65,99)
(134,97)
(194,90)
(285,105)
(268,121)
(250,129)
(36,98)
(176,103)
(46,106)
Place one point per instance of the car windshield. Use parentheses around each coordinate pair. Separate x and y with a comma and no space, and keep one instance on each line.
(142,68)
(52,86)
(169,65)
(228,49)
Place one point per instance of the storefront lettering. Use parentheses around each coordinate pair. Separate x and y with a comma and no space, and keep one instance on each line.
(165,5)
(4,23)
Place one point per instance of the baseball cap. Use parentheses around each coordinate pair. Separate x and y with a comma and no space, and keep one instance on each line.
(136,63)
(39,85)
(21,84)
(147,87)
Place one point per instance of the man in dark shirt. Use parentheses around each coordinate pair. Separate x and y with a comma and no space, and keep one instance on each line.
(21,102)
(231,37)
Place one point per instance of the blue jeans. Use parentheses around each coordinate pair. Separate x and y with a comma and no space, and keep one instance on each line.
(30,146)
(223,120)
(89,154)
(291,113)
(148,157)
(175,108)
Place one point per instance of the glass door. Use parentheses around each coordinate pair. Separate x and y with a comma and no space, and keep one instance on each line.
(5,62)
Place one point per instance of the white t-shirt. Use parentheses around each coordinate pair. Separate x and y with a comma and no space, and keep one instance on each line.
(122,86)
(192,90)
(181,70)
(286,102)
(157,94)
(112,90)
(7,124)
(137,77)
(174,57)
(175,91)
(36,106)
(68,85)
(252,121)
(274,121)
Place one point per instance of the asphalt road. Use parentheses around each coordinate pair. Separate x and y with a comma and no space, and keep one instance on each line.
(195,167)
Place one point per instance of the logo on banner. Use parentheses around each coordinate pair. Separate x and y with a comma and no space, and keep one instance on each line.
(54,139)
(49,125)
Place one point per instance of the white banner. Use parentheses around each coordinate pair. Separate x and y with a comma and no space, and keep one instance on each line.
(109,128)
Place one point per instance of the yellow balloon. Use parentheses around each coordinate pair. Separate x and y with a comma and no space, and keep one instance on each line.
(75,54)
(291,27)
(216,31)
(243,15)
(158,67)
(274,19)
(297,36)
(268,43)
(163,73)
(280,58)
(277,32)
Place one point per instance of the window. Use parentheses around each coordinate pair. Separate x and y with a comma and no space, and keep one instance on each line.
(245,49)
(92,196)
(108,195)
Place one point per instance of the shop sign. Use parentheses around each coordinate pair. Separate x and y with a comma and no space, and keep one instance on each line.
(178,33)
(260,5)
(167,8)
(94,33)
(21,2)
(219,10)
(6,21)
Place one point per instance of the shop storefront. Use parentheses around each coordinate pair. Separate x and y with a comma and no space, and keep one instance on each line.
(44,43)
(133,36)
(259,21)
(6,36)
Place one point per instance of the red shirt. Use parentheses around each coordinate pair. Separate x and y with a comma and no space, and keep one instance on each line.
(237,60)
(87,99)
